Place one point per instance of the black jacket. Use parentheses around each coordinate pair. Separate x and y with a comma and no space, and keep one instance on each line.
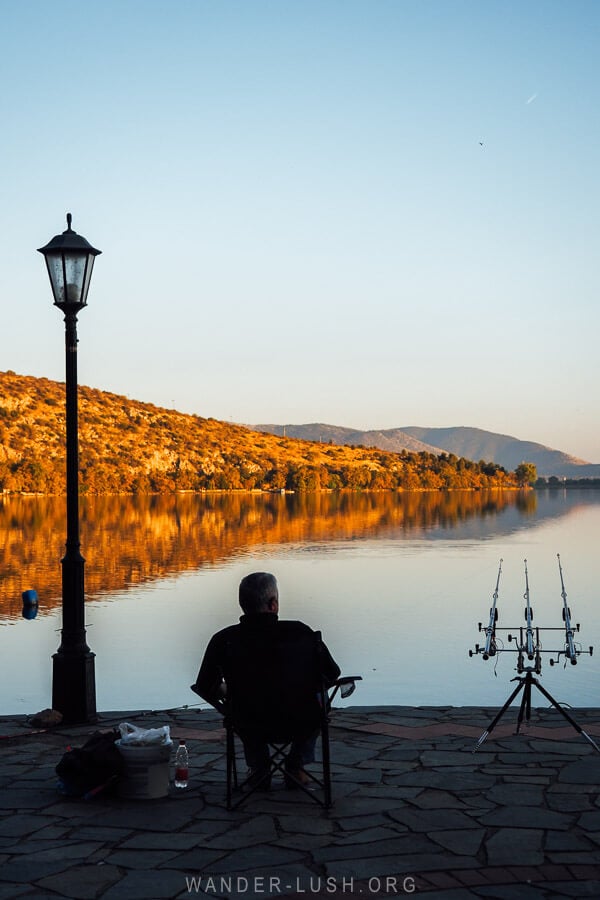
(273,671)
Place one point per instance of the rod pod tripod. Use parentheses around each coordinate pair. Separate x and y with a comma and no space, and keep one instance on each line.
(529,645)
(525,684)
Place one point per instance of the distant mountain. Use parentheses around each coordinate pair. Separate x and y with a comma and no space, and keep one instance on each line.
(393,440)
(471,443)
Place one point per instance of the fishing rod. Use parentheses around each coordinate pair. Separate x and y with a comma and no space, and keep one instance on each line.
(530,647)
(490,632)
(570,651)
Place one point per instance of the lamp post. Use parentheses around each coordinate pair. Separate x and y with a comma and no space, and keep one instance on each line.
(70,260)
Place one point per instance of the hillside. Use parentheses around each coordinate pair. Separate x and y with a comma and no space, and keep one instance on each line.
(126,446)
(471,443)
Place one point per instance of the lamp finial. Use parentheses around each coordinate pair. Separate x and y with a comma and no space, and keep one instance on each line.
(69,220)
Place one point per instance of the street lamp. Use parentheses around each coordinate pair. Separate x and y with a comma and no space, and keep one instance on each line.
(70,260)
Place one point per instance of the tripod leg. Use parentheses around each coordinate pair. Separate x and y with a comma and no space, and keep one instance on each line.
(570,720)
(525,709)
(495,721)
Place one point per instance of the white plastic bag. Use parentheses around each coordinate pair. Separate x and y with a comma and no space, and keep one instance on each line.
(142,737)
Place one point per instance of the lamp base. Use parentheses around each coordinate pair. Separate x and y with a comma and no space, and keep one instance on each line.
(74,687)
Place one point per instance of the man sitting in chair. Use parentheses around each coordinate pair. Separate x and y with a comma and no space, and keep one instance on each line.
(262,673)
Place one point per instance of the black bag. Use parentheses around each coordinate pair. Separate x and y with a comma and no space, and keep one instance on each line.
(95,767)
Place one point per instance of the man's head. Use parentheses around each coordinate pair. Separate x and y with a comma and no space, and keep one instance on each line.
(259,593)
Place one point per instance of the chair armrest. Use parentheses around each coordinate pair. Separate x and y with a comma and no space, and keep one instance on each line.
(217,704)
(346,685)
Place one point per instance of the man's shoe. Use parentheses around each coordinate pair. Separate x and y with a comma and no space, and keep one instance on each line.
(260,779)
(296,778)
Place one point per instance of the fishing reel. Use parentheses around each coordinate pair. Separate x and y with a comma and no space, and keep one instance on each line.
(570,653)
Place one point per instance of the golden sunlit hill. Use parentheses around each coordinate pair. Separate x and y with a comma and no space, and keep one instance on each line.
(126,446)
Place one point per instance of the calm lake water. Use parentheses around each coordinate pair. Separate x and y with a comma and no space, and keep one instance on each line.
(396,583)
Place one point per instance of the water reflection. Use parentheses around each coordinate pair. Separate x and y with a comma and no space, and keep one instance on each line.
(397,583)
(130,541)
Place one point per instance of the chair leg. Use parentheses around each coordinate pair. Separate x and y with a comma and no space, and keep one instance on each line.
(326,762)
(231,766)
(277,764)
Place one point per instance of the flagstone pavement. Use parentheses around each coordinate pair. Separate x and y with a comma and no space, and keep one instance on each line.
(416,811)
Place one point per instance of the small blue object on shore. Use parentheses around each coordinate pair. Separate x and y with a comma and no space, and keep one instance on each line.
(30,604)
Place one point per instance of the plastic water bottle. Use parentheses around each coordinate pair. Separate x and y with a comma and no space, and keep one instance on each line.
(181,766)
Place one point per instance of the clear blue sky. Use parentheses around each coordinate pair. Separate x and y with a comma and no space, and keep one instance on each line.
(297,218)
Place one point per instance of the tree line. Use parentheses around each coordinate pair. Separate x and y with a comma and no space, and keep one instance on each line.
(372,471)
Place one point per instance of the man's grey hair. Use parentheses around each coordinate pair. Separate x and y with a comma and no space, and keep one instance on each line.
(256,592)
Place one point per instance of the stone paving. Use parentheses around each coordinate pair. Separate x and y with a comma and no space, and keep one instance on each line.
(415,811)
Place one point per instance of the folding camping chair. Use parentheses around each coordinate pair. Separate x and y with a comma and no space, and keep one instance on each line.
(299,705)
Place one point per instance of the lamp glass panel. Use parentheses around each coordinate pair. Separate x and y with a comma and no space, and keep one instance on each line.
(87,276)
(55,271)
(74,272)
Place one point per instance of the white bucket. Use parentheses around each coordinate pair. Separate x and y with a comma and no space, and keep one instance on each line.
(146,774)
